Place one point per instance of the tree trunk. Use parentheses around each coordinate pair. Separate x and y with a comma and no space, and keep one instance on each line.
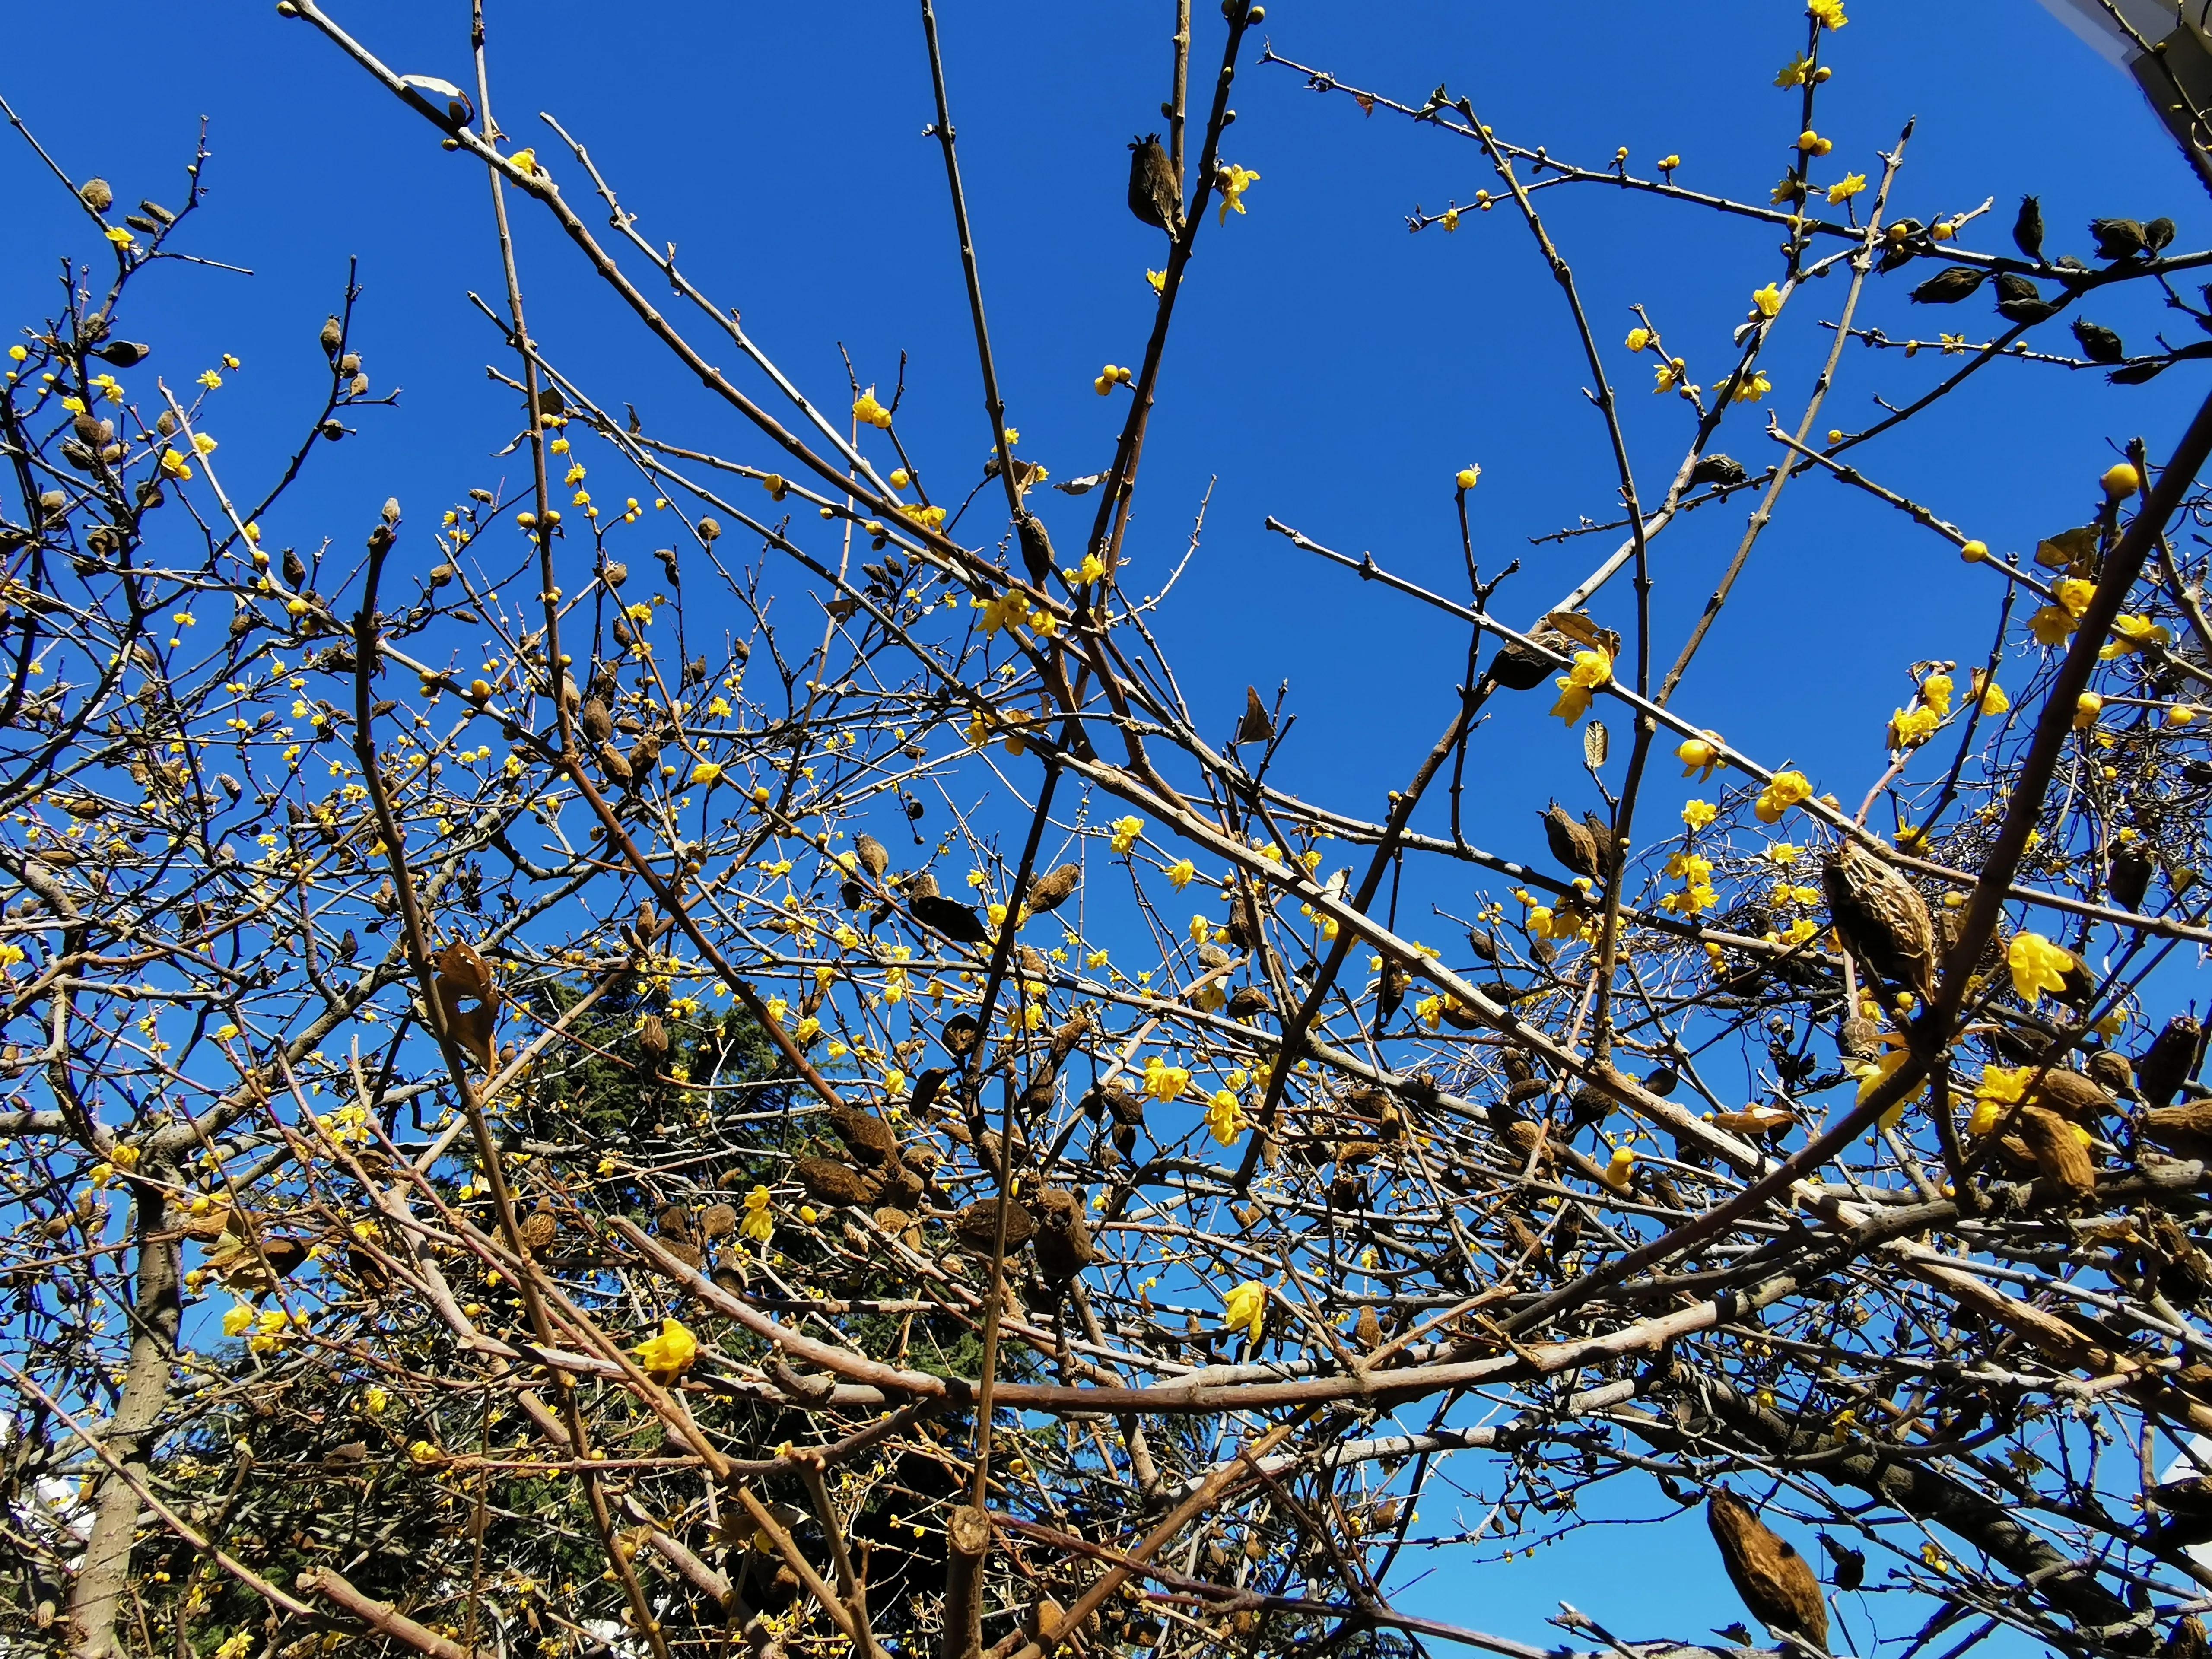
(98,1597)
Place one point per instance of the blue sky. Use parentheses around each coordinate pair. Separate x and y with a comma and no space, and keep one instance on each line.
(1330,368)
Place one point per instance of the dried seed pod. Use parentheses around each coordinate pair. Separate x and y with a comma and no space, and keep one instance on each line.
(1775,1583)
(653,1040)
(1948,286)
(1572,843)
(2099,344)
(2185,1130)
(1758,1122)
(2118,239)
(615,764)
(2027,228)
(1882,918)
(333,336)
(957,921)
(1256,726)
(1724,471)
(832,1182)
(95,195)
(717,1221)
(1155,193)
(977,1226)
(1850,1563)
(1063,1239)
(2130,880)
(539,1228)
(685,1252)
(1066,1035)
(599,724)
(1050,891)
(2162,1069)
(1037,548)
(898,1185)
(674,1221)
(1367,1330)
(1529,1141)
(866,1137)
(2109,1071)
(875,858)
(2058,1149)
(2071,1095)
(1250,999)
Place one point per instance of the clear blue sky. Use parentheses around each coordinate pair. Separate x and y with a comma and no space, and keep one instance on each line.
(1330,370)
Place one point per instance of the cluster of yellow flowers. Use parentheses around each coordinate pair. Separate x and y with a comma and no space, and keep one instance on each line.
(1592,669)
(1788,789)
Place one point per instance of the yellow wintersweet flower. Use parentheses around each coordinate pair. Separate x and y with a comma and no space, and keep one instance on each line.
(1126,831)
(1767,301)
(1181,873)
(1850,186)
(1911,728)
(1936,691)
(1246,1309)
(868,412)
(1993,698)
(1794,72)
(1789,789)
(1232,181)
(759,1223)
(2087,708)
(2037,965)
(1700,757)
(238,1321)
(2000,1086)
(1829,14)
(706,772)
(669,1355)
(1090,570)
(1225,1117)
(1430,1010)
(1158,279)
(1639,338)
(1698,813)
(1592,669)
(1618,1168)
(524,162)
(1753,387)
(1008,610)
(2052,625)
(1667,374)
(1165,1082)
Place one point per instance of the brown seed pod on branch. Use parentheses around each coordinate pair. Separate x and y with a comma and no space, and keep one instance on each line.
(1882,918)
(1775,1583)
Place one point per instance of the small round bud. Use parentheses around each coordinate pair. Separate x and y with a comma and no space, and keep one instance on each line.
(2121,479)
(1974,552)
